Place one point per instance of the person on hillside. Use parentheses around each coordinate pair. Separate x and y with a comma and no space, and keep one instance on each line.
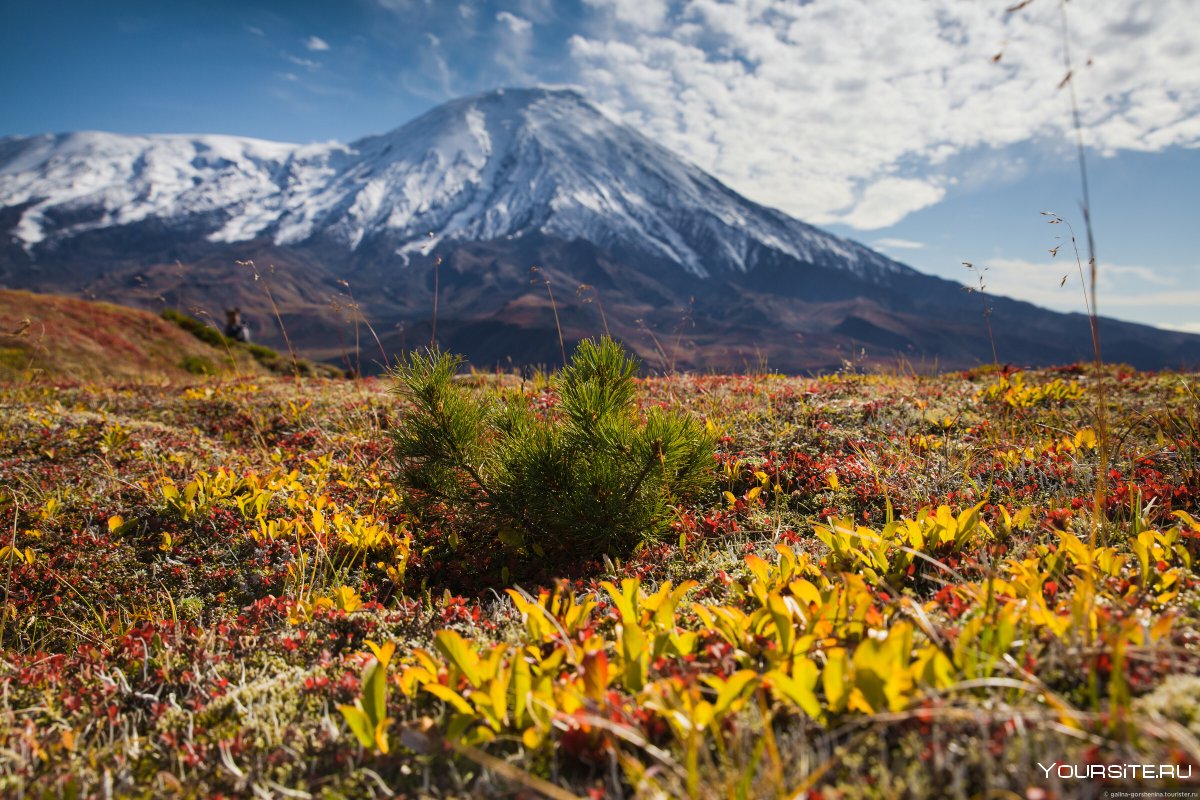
(235,327)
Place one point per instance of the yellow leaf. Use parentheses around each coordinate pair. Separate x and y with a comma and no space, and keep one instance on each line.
(834,678)
(1161,628)
(780,614)
(381,740)
(730,690)
(460,653)
(832,479)
(347,599)
(805,591)
(115,522)
(759,568)
(531,738)
(448,695)
(797,691)
(8,551)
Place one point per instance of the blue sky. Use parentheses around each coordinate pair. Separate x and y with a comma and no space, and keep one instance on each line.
(936,131)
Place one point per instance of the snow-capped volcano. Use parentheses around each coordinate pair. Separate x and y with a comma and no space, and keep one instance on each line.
(451,211)
(502,164)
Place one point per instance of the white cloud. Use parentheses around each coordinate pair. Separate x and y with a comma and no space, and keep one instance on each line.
(1186,327)
(434,63)
(640,13)
(540,11)
(517,25)
(316,44)
(1143,274)
(1124,291)
(401,6)
(512,50)
(307,63)
(851,111)
(1037,282)
(889,243)
(888,200)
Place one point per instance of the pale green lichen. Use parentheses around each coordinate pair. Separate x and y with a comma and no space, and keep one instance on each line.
(1176,699)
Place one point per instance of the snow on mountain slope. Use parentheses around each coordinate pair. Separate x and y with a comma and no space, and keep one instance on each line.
(109,179)
(497,165)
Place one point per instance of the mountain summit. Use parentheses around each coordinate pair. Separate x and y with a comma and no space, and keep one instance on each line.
(503,164)
(466,199)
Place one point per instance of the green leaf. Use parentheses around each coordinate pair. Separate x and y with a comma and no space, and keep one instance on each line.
(375,692)
(511,536)
(360,726)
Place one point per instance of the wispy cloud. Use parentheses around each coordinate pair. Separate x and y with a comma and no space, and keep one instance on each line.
(513,46)
(515,24)
(889,243)
(307,63)
(1185,327)
(851,111)
(316,44)
(1143,274)
(1125,290)
(646,14)
(401,6)
(433,78)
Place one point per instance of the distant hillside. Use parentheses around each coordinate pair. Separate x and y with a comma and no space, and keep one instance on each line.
(68,338)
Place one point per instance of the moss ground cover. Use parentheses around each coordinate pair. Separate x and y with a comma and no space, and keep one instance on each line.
(895,588)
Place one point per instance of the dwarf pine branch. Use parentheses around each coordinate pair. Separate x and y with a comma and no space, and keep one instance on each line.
(589,477)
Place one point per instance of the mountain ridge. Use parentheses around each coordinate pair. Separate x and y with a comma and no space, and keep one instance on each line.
(457,205)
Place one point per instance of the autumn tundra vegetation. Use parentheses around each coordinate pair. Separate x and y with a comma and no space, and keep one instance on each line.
(599,583)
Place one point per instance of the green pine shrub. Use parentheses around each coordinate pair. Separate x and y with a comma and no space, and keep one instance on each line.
(269,359)
(205,333)
(198,365)
(592,476)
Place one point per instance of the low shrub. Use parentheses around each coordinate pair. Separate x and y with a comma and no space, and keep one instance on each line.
(269,359)
(591,476)
(198,365)
(205,333)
